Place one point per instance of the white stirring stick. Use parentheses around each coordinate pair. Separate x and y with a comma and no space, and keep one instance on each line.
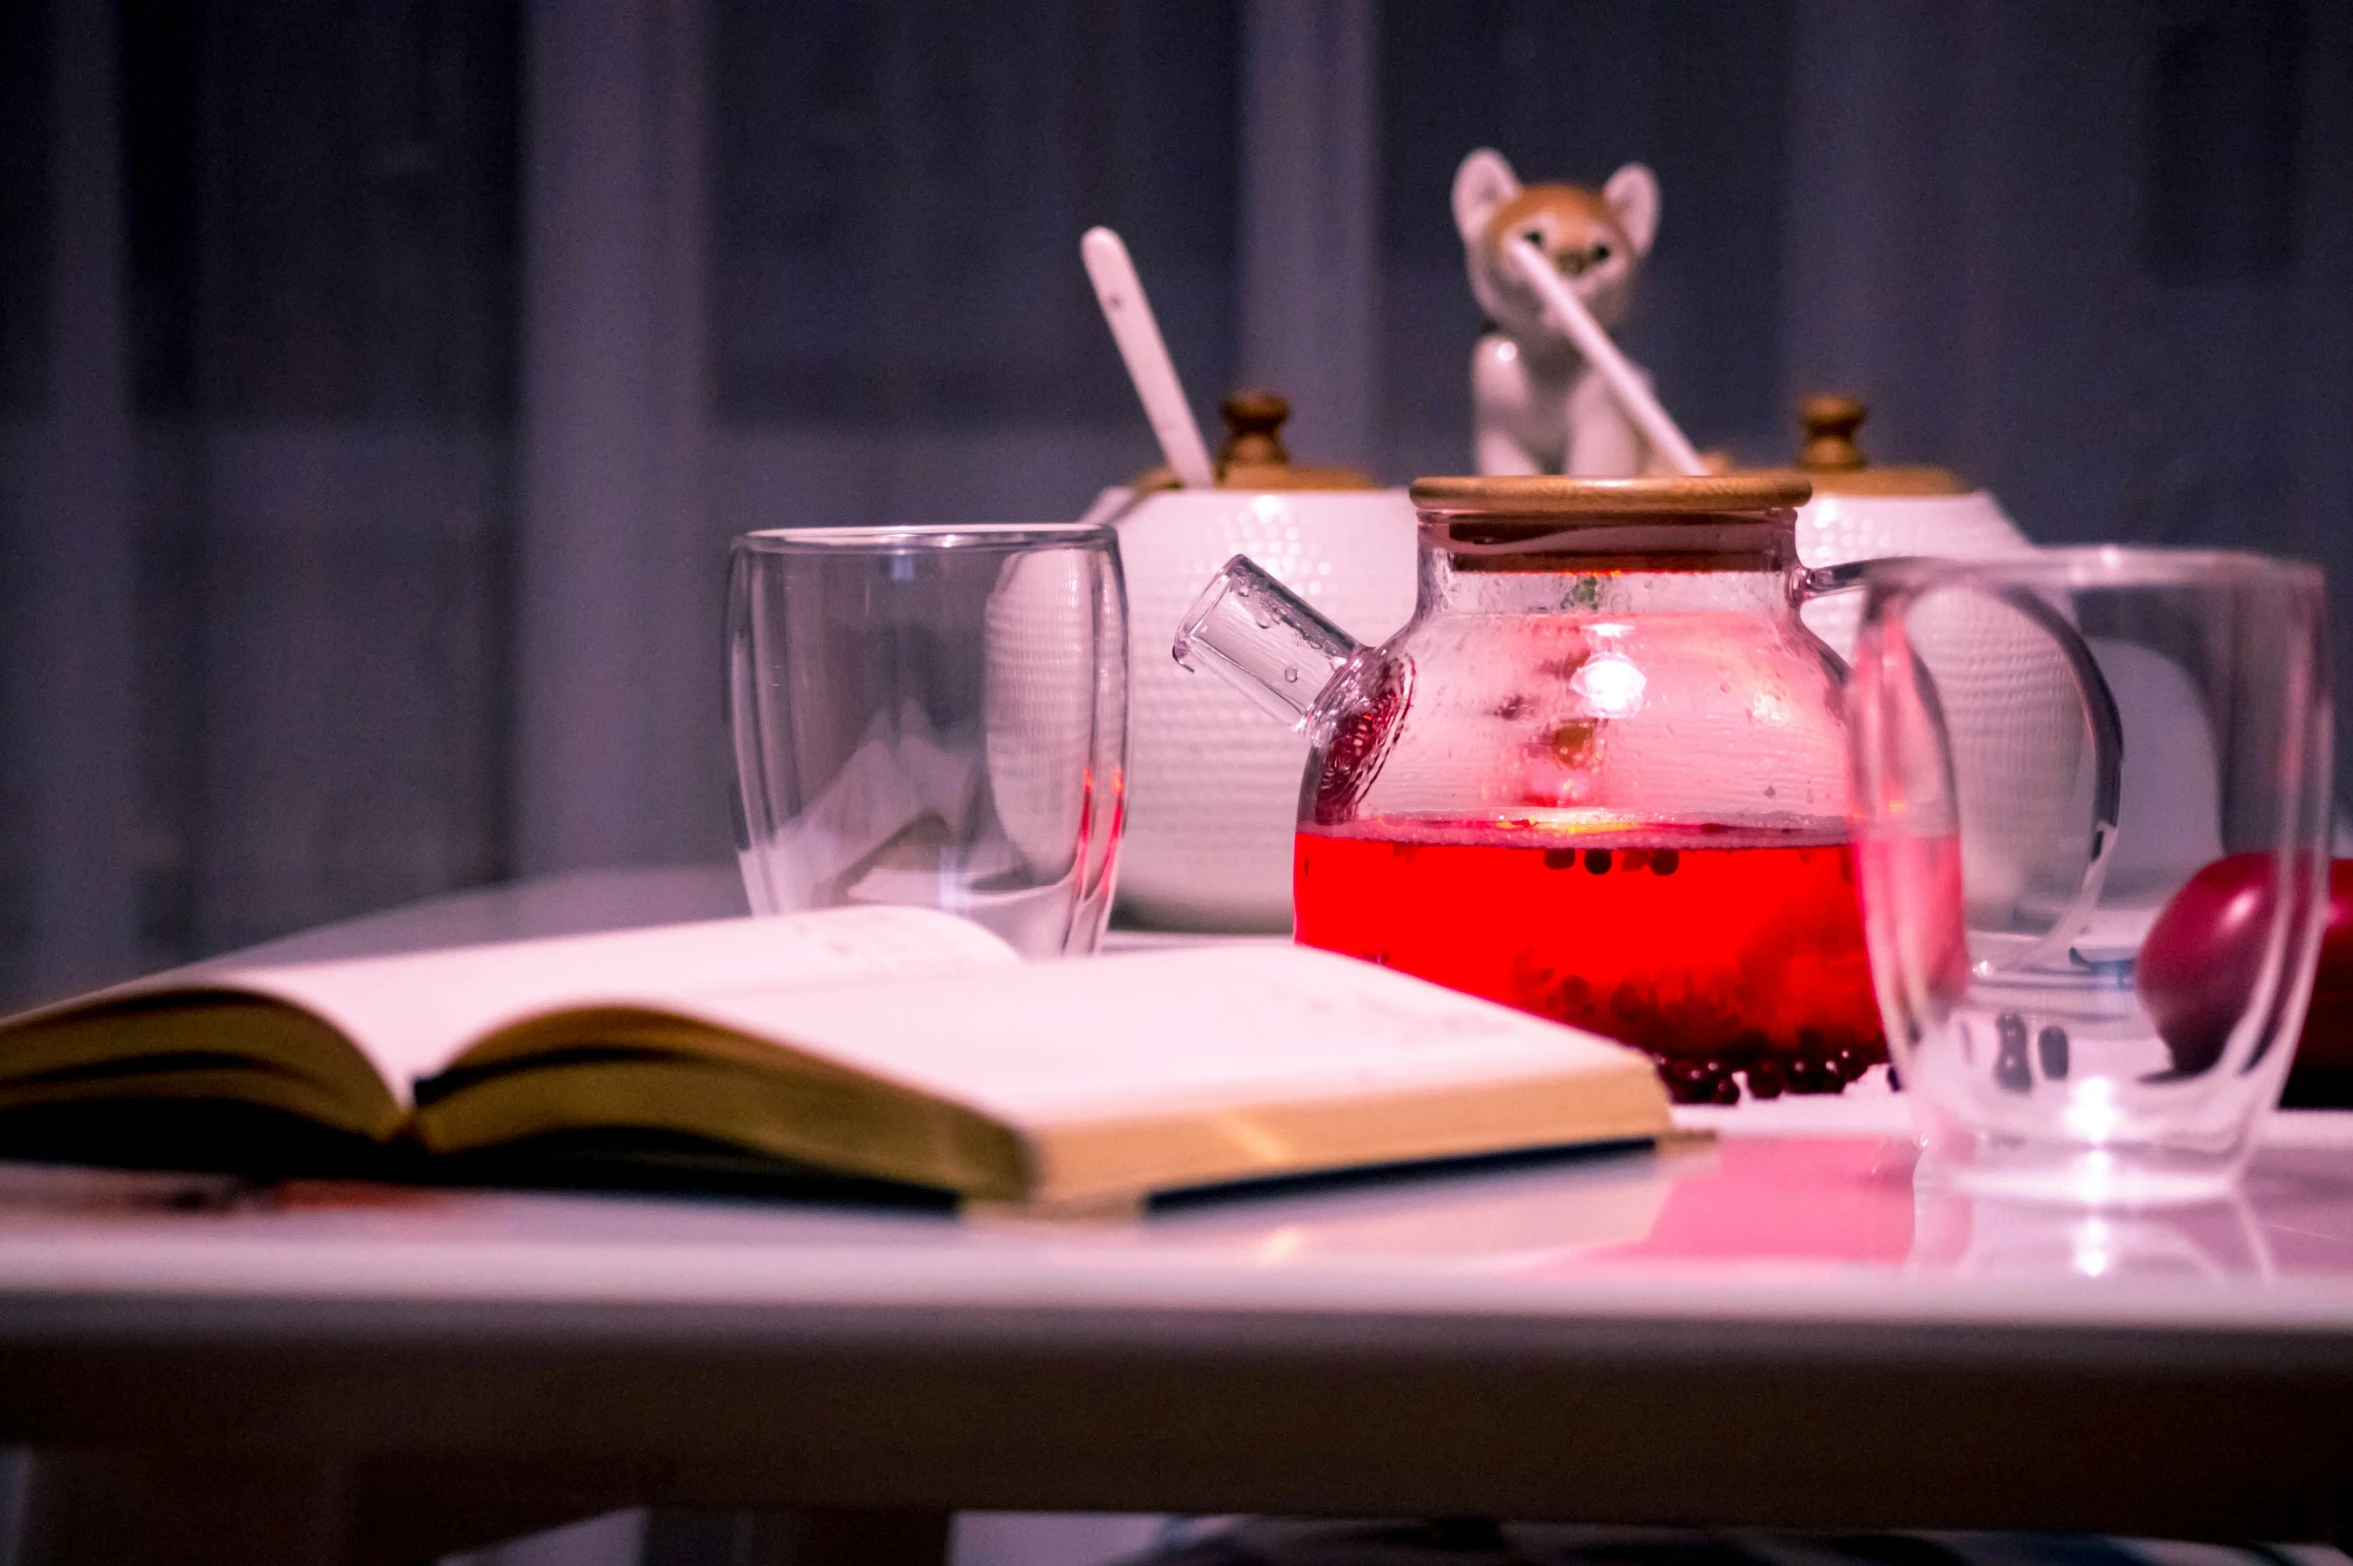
(1121,294)
(1570,315)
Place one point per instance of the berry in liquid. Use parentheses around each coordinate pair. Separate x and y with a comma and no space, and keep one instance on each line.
(1718,950)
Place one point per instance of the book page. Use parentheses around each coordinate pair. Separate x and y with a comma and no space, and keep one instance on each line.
(411,1013)
(1170,1033)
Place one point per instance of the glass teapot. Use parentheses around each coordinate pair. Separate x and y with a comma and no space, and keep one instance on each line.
(1601,774)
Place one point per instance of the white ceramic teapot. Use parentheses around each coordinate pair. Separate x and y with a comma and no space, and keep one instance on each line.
(1212,787)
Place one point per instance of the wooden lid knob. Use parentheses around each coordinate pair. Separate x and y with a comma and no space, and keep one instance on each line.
(1254,420)
(1254,457)
(1831,421)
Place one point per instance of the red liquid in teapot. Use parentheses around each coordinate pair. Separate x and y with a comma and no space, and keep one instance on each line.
(1716,949)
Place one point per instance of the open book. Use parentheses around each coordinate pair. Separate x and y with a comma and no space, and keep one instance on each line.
(891,1044)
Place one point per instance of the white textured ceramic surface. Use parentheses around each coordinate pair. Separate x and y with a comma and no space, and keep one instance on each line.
(2010,705)
(1213,782)
(1833,529)
(2021,758)
(2022,767)
(1039,704)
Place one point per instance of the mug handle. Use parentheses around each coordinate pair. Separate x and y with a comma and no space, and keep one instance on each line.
(2107,731)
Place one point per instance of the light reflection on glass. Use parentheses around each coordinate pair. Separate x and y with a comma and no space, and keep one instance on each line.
(2218,1243)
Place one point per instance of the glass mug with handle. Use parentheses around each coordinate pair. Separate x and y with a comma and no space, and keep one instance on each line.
(2092,976)
(933,716)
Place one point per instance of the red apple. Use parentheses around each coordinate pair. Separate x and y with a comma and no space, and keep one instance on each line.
(2328,1027)
(2198,963)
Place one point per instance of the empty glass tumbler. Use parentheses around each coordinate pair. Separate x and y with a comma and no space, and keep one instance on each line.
(933,716)
(2093,907)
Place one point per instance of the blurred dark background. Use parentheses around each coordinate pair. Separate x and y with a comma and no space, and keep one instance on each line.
(380,383)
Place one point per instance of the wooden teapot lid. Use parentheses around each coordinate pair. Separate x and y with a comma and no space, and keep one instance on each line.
(1547,495)
(1253,456)
(1829,457)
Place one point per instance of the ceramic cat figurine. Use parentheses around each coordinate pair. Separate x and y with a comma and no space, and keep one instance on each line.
(1537,406)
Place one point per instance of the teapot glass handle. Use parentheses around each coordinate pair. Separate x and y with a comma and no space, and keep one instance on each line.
(2107,732)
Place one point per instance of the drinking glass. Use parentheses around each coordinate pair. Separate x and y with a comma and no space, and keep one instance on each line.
(932,716)
(2091,800)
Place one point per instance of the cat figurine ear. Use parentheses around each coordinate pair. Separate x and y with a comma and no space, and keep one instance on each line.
(1632,194)
(1482,186)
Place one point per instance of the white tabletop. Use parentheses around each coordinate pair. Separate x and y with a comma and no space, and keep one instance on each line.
(1775,1329)
(1802,1210)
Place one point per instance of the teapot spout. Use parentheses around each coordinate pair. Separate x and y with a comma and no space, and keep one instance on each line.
(1266,641)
